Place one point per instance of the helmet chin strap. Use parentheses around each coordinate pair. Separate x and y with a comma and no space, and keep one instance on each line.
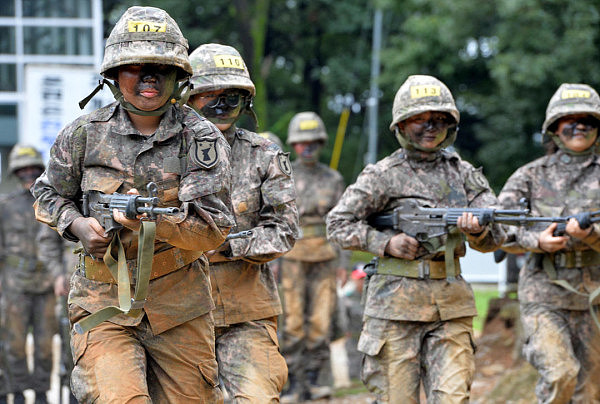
(180,95)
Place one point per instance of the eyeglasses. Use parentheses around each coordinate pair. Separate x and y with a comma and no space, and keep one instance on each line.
(228,99)
(583,124)
(436,121)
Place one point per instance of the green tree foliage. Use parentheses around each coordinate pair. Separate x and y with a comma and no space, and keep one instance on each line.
(502,60)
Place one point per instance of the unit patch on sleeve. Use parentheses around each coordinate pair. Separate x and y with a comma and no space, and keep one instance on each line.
(205,153)
(283,159)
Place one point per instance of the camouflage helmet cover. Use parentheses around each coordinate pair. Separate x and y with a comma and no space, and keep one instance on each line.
(306,127)
(146,35)
(22,156)
(217,67)
(571,99)
(419,94)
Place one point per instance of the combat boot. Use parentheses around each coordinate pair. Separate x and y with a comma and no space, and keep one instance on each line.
(40,397)
(18,398)
(316,391)
(292,393)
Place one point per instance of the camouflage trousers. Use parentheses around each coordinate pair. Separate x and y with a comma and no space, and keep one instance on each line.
(250,364)
(400,355)
(564,347)
(119,364)
(20,312)
(310,297)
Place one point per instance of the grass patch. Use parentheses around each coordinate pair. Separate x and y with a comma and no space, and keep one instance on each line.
(483,295)
(357,388)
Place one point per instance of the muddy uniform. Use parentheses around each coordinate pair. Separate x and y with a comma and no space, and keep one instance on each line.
(399,311)
(244,289)
(28,295)
(561,339)
(188,159)
(417,319)
(308,271)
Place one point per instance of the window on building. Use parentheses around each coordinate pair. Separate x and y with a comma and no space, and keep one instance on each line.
(8,77)
(7,40)
(8,124)
(57,41)
(60,9)
(7,8)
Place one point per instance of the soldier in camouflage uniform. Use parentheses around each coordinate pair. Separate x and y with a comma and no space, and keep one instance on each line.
(308,272)
(59,255)
(163,349)
(244,289)
(418,311)
(561,341)
(28,298)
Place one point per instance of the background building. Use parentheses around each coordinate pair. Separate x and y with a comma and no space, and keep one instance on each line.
(42,32)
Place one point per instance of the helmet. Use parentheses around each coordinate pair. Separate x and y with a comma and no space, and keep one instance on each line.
(571,99)
(22,156)
(419,94)
(306,127)
(146,35)
(219,67)
(272,137)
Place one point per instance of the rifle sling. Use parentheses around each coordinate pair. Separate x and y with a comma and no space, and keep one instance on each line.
(574,259)
(131,306)
(454,239)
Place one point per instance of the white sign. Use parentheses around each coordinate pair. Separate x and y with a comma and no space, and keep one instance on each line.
(52,95)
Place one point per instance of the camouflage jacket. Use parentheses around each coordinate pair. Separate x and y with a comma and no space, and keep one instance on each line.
(57,253)
(318,188)
(555,185)
(263,197)
(188,159)
(446,181)
(22,271)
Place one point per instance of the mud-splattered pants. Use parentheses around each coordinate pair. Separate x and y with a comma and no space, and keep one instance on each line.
(22,310)
(400,355)
(309,303)
(564,347)
(250,365)
(119,364)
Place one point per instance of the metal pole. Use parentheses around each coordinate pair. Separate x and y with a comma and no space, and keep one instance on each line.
(373,101)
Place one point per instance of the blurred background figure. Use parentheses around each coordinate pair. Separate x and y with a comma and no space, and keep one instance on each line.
(27,283)
(61,258)
(308,271)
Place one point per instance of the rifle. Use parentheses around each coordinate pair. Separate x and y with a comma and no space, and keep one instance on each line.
(427,223)
(100,206)
(585,220)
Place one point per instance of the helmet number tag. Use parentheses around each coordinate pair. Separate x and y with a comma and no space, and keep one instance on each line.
(309,124)
(146,26)
(229,61)
(568,94)
(425,91)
